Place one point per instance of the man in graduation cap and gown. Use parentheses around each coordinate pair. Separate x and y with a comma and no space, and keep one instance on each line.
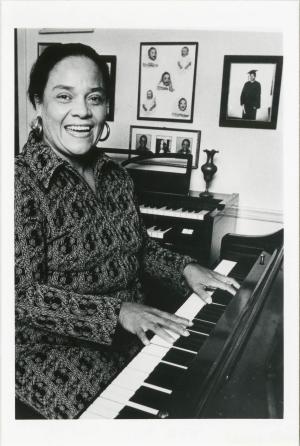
(250,96)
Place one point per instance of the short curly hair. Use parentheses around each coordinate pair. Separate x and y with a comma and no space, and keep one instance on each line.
(53,54)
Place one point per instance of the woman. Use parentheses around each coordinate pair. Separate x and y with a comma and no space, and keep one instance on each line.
(81,247)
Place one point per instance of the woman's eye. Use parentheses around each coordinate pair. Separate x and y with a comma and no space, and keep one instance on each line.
(64,97)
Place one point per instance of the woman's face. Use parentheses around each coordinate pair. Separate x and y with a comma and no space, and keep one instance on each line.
(74,106)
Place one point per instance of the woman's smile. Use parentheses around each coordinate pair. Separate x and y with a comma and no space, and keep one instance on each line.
(79,131)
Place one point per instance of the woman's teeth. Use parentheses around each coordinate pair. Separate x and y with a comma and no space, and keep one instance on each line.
(78,129)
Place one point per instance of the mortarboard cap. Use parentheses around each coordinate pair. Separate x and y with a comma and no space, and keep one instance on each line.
(252,71)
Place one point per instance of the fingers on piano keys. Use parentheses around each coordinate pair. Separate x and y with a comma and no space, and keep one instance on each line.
(144,387)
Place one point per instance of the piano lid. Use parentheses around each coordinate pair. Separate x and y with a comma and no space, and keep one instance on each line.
(167,173)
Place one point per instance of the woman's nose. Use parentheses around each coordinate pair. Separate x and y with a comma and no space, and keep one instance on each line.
(80,108)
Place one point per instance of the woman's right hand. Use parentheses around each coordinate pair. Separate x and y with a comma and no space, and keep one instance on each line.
(138,319)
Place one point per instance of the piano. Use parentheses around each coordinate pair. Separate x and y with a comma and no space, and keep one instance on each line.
(231,365)
(175,216)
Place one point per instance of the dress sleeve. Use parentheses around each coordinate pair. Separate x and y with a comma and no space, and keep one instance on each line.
(60,312)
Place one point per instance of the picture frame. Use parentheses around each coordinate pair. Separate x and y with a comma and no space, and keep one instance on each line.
(111,62)
(167,78)
(156,140)
(252,102)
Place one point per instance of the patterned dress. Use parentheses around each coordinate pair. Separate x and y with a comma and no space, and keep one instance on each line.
(79,256)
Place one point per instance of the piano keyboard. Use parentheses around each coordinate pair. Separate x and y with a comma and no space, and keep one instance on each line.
(142,387)
(170,212)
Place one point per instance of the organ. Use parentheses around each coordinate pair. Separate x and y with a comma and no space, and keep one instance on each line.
(175,216)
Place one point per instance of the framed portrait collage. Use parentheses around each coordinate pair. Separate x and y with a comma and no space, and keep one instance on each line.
(167,75)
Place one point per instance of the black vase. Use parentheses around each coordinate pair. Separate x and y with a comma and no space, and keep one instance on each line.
(208,169)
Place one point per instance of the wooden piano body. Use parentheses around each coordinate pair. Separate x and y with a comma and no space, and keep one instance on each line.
(237,371)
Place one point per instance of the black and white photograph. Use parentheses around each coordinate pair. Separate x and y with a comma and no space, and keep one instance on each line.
(143,143)
(157,140)
(167,77)
(250,91)
(150,269)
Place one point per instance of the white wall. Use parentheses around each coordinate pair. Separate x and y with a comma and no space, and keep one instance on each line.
(249,160)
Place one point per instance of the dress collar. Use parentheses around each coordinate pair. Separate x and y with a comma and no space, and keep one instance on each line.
(44,162)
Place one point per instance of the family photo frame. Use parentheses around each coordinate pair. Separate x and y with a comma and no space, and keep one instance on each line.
(167,77)
(111,62)
(156,140)
(250,91)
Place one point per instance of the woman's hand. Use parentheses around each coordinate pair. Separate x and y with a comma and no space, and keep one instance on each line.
(199,279)
(138,319)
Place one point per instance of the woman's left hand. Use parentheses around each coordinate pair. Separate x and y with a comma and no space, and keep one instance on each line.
(199,279)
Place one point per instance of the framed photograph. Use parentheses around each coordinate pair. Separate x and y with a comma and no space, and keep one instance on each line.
(156,140)
(167,76)
(250,91)
(111,62)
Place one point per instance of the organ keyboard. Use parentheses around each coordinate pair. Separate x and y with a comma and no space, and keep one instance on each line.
(189,224)
(180,380)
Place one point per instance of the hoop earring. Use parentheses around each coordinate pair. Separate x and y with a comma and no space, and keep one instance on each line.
(107,132)
(37,127)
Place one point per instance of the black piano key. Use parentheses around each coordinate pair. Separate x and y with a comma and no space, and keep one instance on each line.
(241,269)
(203,327)
(192,342)
(150,397)
(165,375)
(221,297)
(130,412)
(209,315)
(179,357)
(213,311)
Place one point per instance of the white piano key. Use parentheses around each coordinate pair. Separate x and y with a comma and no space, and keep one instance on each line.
(144,363)
(130,378)
(187,231)
(190,307)
(88,415)
(105,408)
(155,350)
(117,394)
(161,342)
(224,267)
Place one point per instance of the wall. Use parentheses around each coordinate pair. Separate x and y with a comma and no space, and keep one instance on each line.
(249,160)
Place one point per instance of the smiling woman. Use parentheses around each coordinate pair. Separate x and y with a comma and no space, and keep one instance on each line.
(81,246)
